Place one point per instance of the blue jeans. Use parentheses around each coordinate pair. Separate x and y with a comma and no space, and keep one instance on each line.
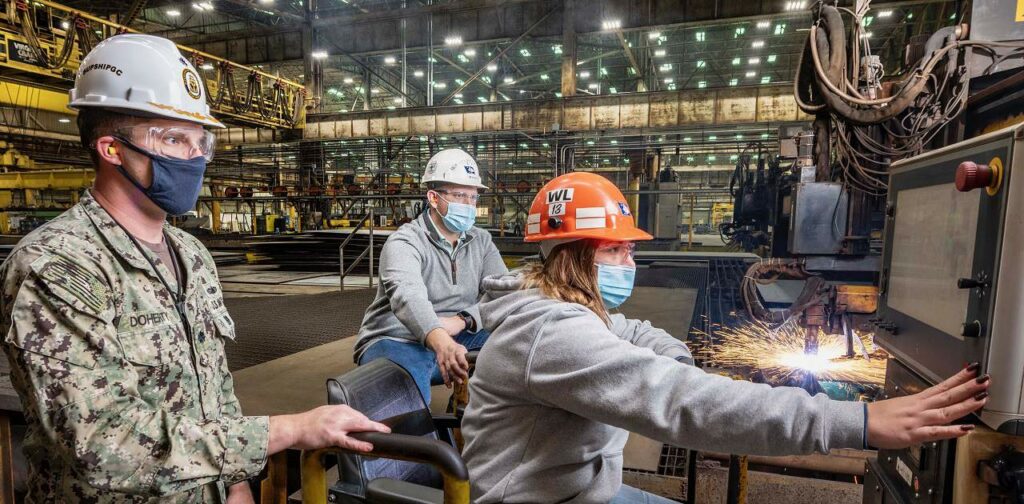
(418,360)
(630,495)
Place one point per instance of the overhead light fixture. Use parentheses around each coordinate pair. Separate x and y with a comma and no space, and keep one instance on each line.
(712,138)
(347,80)
(470,52)
(458,95)
(202,6)
(592,85)
(481,99)
(612,90)
(772,58)
(584,74)
(736,61)
(885,13)
(699,36)
(544,77)
(669,80)
(740,30)
(757,44)
(795,5)
(733,81)
(173,13)
(440,85)
(660,53)
(492,67)
(766,79)
(375,91)
(702,84)
(458,101)
(319,54)
(701,64)
(63,120)
(557,48)
(65,25)
(754,61)
(762,25)
(524,52)
(612,24)
(452,40)
(780,29)
(418,73)
(397,100)
(207,66)
(508,80)
(866,35)
(751,74)
(390,60)
(665,67)
(653,35)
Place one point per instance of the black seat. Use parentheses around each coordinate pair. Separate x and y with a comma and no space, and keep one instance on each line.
(385,392)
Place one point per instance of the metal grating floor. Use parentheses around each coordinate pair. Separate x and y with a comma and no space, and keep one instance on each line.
(269,327)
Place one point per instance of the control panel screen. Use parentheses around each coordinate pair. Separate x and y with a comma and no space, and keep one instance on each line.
(932,247)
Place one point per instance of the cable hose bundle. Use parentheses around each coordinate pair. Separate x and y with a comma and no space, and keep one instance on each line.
(767,272)
(28,29)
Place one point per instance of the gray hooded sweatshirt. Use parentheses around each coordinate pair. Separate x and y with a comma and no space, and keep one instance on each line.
(556,391)
(421,281)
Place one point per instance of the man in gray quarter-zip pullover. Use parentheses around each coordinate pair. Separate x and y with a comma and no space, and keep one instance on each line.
(425,316)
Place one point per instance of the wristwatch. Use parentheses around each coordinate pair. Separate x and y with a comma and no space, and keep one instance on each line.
(468,319)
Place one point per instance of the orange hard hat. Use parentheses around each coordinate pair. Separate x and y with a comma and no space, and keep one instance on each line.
(581,205)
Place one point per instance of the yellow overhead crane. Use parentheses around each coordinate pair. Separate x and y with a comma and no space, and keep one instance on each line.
(43,42)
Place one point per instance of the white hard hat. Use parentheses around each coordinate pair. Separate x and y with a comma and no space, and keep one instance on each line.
(141,75)
(453,166)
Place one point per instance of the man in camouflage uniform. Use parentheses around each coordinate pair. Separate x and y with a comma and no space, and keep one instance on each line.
(115,323)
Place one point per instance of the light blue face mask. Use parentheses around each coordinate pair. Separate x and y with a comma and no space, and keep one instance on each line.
(615,283)
(460,217)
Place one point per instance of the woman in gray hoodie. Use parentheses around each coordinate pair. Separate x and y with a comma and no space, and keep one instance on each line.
(561,381)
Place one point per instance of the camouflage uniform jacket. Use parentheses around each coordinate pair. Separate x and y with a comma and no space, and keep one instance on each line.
(122,405)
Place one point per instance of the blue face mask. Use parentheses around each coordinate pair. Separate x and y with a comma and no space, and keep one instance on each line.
(460,217)
(176,182)
(615,283)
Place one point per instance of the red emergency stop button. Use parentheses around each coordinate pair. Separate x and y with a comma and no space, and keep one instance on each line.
(971,176)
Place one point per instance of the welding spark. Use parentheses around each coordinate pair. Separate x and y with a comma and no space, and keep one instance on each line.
(778,354)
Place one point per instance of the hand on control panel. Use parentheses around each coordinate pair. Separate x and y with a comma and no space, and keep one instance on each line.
(925,416)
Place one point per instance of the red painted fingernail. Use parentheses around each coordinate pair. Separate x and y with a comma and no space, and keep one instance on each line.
(983,378)
(967,428)
(981,396)
(974,367)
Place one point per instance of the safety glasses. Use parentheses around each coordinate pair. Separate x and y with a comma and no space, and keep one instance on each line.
(174,142)
(459,196)
(620,251)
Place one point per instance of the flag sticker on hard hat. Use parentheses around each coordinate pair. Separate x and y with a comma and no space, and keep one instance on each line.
(192,85)
(624,209)
(470,169)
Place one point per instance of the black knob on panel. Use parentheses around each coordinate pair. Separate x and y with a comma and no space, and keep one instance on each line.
(971,329)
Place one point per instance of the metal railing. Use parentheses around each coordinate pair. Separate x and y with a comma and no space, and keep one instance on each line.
(362,255)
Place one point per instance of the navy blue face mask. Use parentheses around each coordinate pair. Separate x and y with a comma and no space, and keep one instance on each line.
(176,182)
